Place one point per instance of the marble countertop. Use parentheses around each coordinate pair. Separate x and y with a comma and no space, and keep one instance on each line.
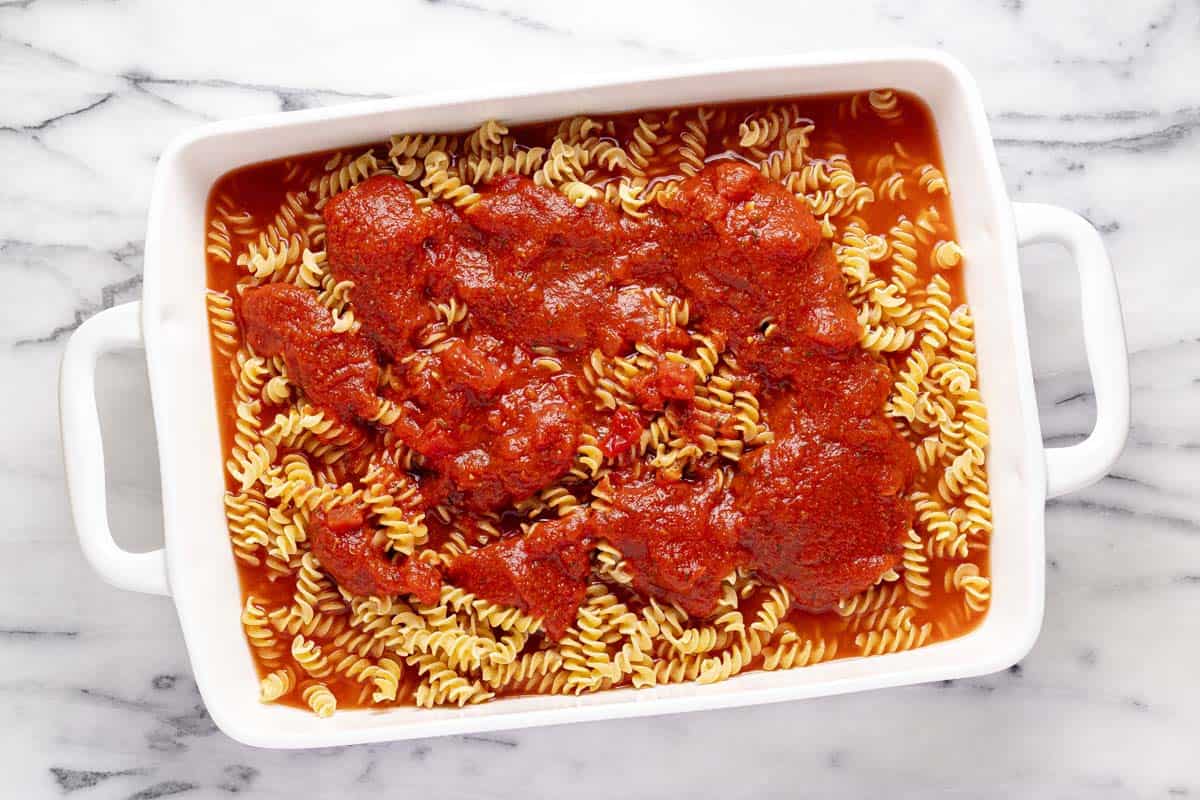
(1094,109)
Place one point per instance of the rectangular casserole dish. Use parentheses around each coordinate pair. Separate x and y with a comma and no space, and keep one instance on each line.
(196,565)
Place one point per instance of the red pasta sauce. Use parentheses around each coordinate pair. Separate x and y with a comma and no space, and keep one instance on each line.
(820,509)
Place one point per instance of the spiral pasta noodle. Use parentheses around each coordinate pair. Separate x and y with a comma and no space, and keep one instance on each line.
(883,211)
(793,651)
(443,183)
(318,698)
(342,172)
(275,685)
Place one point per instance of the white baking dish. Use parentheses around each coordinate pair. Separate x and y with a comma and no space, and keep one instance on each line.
(197,567)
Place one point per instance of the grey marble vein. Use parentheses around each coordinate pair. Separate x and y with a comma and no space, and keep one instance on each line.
(1094,106)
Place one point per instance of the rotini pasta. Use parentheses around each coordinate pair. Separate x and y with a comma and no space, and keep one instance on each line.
(685,397)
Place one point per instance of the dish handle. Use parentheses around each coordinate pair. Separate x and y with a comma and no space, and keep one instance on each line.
(1077,466)
(113,329)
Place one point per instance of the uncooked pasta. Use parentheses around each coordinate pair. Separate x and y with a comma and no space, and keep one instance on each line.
(547,408)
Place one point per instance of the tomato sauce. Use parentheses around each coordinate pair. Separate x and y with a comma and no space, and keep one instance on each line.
(342,543)
(338,371)
(544,572)
(820,509)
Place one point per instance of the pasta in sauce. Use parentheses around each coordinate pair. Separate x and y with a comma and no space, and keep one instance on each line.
(599,402)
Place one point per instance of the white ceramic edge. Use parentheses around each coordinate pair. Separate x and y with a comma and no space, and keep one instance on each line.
(862,674)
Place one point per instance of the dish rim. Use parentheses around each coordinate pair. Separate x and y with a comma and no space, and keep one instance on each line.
(879,672)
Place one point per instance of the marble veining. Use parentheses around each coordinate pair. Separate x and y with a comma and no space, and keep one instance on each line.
(1093,106)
